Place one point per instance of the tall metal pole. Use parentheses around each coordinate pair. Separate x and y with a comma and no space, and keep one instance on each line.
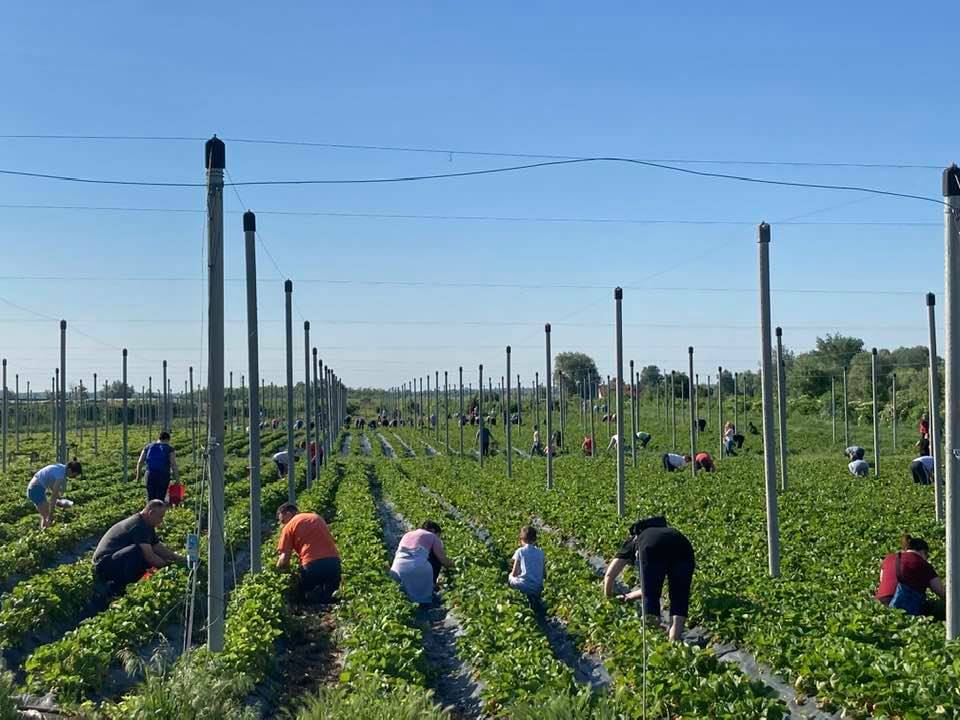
(54,411)
(876,414)
(673,406)
(693,414)
(536,395)
(63,391)
(633,418)
(125,390)
(253,370)
(165,414)
(4,415)
(736,402)
(621,470)
(519,403)
(563,407)
(609,410)
(96,416)
(549,380)
(291,455)
(446,409)
(833,406)
(231,407)
(215,156)
(193,419)
(149,406)
(480,414)
(720,407)
(509,423)
(782,409)
(846,405)
(893,399)
(951,227)
(316,403)
(436,405)
(766,365)
(934,400)
(307,413)
(460,420)
(593,429)
(16,407)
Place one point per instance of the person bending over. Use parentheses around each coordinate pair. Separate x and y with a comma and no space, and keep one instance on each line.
(307,535)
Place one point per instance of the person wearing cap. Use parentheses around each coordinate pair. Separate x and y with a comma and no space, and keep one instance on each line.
(52,479)
(129,548)
(660,553)
(161,461)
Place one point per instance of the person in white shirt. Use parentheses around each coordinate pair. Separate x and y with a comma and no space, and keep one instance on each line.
(922,470)
(614,441)
(529,569)
(282,460)
(672,461)
(859,468)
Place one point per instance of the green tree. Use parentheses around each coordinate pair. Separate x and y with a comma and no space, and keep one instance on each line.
(573,367)
(650,376)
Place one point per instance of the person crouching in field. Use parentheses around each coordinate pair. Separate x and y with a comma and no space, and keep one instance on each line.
(307,535)
(417,562)
(703,461)
(660,553)
(529,569)
(905,577)
(52,479)
(672,461)
(922,470)
(859,468)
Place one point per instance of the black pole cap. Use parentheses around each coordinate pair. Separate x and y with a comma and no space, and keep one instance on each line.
(314,352)
(779,332)
(763,232)
(124,352)
(481,367)
(306,324)
(249,221)
(63,324)
(951,181)
(288,286)
(931,299)
(215,154)
(874,351)
(618,293)
(690,350)
(546,328)
(508,349)
(164,363)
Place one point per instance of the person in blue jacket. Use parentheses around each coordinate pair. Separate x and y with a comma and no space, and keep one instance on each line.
(161,461)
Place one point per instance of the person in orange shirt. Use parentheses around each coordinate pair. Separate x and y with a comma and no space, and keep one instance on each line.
(307,535)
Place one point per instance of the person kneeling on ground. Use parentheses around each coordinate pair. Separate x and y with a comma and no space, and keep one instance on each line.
(922,470)
(672,461)
(307,535)
(660,553)
(529,569)
(418,560)
(131,547)
(859,468)
(905,577)
(643,438)
(703,461)
(855,452)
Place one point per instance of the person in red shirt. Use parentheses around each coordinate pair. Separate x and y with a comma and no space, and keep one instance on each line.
(924,426)
(704,462)
(307,535)
(915,572)
(587,446)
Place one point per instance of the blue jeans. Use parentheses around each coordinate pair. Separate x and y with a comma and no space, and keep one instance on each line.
(322,576)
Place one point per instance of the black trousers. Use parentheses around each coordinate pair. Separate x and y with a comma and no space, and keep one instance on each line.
(157,484)
(125,566)
(679,575)
(666,463)
(919,473)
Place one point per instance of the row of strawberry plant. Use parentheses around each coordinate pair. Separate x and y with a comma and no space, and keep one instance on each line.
(512,657)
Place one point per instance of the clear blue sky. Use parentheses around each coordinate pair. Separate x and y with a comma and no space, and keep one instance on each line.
(814,82)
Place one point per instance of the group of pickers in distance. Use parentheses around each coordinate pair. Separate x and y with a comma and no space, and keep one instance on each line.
(131,549)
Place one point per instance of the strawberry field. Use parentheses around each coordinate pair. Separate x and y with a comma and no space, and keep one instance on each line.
(811,643)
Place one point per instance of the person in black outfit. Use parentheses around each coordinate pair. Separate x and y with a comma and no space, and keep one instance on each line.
(661,553)
(131,546)
(483,438)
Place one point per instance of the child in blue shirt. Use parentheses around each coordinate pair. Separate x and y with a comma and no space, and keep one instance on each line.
(529,564)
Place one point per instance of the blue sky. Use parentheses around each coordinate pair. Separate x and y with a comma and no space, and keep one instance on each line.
(816,82)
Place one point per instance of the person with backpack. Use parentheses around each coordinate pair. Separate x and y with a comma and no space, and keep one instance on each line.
(905,577)
(161,461)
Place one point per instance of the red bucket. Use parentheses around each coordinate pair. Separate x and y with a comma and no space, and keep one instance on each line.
(175,493)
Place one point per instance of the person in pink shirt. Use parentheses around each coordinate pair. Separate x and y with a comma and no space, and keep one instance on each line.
(418,561)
